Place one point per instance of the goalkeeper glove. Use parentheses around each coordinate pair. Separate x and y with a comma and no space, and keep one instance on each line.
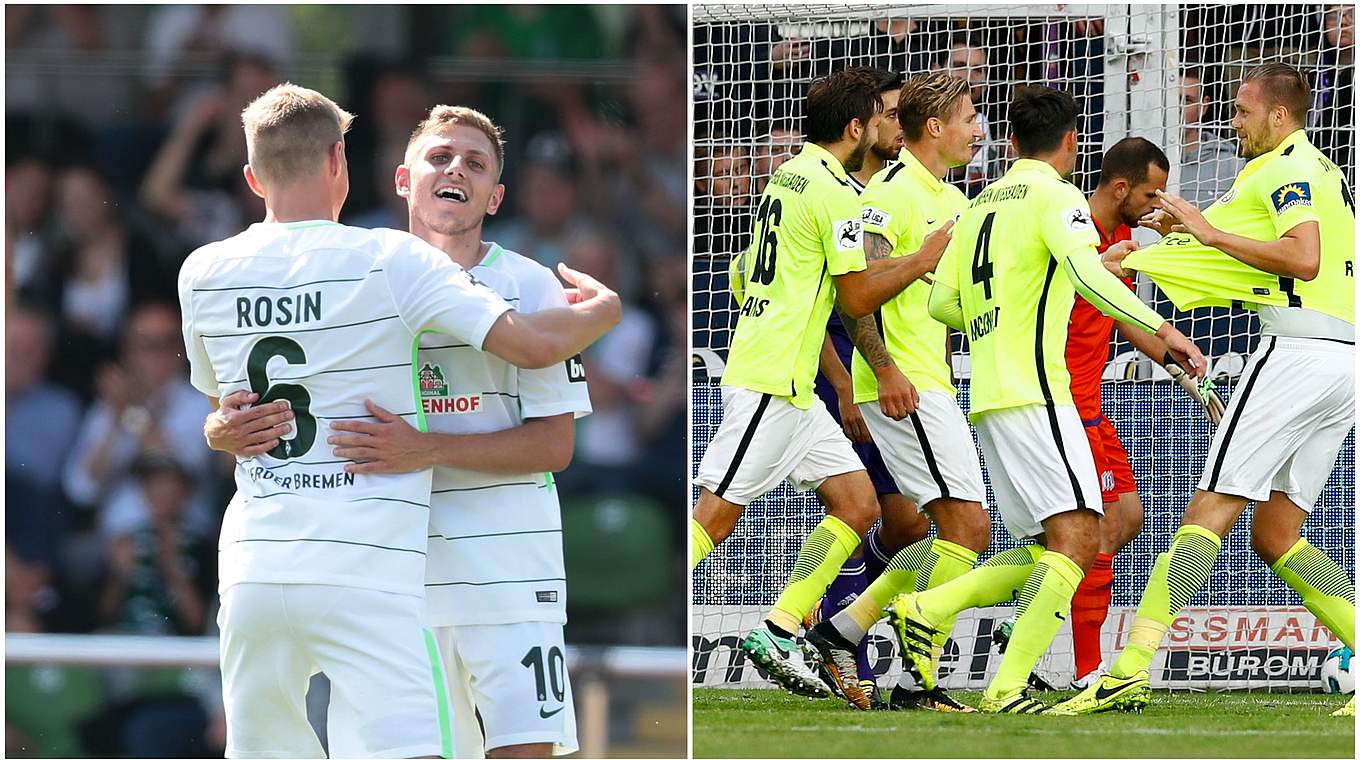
(1202,392)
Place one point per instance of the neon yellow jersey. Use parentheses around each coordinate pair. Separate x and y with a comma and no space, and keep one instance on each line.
(1276,191)
(1004,260)
(807,230)
(903,203)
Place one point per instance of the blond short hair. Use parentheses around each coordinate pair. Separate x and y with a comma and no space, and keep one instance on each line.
(928,96)
(289,130)
(446,116)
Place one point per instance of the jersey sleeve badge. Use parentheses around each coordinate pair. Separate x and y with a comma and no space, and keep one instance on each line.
(1291,195)
(1077,219)
(848,237)
(874,217)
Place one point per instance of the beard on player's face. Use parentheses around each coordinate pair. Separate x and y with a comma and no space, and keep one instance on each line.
(855,161)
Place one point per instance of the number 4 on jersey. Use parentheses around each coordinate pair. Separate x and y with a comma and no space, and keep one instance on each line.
(982,262)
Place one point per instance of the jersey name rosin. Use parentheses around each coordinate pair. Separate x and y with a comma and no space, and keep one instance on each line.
(279,310)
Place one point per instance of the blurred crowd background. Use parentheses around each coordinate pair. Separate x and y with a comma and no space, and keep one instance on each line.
(749,80)
(124,153)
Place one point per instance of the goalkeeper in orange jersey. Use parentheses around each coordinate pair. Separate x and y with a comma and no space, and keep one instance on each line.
(1131,173)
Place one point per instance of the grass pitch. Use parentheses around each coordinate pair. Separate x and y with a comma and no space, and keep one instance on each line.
(770,723)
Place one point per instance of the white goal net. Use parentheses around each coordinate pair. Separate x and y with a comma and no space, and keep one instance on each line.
(1168,73)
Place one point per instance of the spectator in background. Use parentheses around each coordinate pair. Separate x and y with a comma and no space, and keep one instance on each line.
(1208,163)
(608,441)
(1331,120)
(545,199)
(663,399)
(161,575)
(102,266)
(968,60)
(722,176)
(160,580)
(394,96)
(144,404)
(41,418)
(28,207)
(176,33)
(195,181)
(780,145)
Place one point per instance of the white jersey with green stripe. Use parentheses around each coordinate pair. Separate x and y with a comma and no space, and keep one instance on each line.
(1005,259)
(903,203)
(807,231)
(1275,192)
(324,316)
(495,546)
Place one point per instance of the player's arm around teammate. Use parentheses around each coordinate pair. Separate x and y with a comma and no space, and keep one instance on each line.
(774,427)
(929,450)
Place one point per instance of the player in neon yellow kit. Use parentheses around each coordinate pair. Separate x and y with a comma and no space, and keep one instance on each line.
(1281,240)
(806,256)
(930,454)
(1024,246)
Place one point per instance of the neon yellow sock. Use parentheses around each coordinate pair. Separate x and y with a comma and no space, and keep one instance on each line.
(898,577)
(997,580)
(947,561)
(700,545)
(1045,602)
(1327,591)
(1176,576)
(823,553)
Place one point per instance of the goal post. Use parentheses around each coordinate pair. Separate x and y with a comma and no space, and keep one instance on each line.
(1165,72)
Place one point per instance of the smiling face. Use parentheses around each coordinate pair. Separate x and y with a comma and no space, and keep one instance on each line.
(961,134)
(451,180)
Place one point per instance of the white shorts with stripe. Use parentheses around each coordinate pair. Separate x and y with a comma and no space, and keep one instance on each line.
(764,439)
(371,646)
(1287,420)
(930,454)
(511,678)
(1040,463)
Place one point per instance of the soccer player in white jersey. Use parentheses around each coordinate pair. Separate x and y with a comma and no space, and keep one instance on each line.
(1282,240)
(495,434)
(323,569)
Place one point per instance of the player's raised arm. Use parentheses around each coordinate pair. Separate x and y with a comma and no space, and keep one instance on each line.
(433,294)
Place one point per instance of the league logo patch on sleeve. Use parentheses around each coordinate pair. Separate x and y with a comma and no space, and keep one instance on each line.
(848,237)
(873,217)
(576,370)
(1077,219)
(1291,195)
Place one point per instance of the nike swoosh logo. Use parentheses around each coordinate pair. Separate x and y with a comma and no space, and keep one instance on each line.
(1059,616)
(543,714)
(929,222)
(1103,693)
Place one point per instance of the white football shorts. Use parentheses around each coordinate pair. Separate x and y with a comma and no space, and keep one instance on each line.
(1040,463)
(764,439)
(931,453)
(371,646)
(1286,421)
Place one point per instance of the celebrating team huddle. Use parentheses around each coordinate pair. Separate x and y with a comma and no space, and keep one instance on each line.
(1029,271)
(369,538)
